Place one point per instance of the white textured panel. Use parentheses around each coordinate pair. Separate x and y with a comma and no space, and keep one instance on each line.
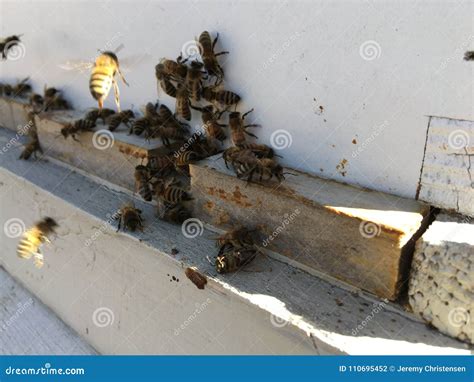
(447,173)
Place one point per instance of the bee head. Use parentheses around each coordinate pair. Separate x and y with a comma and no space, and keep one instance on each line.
(110,54)
(50,222)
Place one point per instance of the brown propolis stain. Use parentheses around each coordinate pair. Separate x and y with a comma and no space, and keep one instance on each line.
(354,141)
(235,196)
(126,149)
(209,205)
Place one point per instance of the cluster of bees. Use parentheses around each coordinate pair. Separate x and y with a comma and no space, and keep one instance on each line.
(195,85)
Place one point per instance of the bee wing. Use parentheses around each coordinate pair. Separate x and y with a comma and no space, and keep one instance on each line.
(77,65)
(130,62)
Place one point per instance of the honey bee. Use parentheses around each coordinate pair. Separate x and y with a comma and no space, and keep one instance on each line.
(168,120)
(96,114)
(238,129)
(469,55)
(265,168)
(102,78)
(71,129)
(32,240)
(220,97)
(53,100)
(168,70)
(237,238)
(140,125)
(116,119)
(174,214)
(36,101)
(196,277)
(260,150)
(170,192)
(186,157)
(231,259)
(130,218)
(210,118)
(237,154)
(160,166)
(183,108)
(166,134)
(7,90)
(22,88)
(142,179)
(8,43)
(206,49)
(194,79)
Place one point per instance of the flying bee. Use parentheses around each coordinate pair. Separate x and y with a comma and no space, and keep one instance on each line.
(22,88)
(196,277)
(183,108)
(9,43)
(238,128)
(130,218)
(220,97)
(206,49)
(194,79)
(32,240)
(102,78)
(125,117)
(71,129)
(142,182)
(237,238)
(231,259)
(174,214)
(170,192)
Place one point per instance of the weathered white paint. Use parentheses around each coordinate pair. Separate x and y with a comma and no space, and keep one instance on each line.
(90,268)
(447,177)
(442,279)
(29,327)
(287,59)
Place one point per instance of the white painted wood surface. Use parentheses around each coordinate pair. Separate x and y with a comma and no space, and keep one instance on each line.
(28,327)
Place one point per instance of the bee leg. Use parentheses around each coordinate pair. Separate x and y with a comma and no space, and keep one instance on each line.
(247,113)
(119,223)
(117,94)
(221,53)
(122,77)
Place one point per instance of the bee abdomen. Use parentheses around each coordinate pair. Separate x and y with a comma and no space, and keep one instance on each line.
(168,87)
(140,125)
(175,195)
(227,97)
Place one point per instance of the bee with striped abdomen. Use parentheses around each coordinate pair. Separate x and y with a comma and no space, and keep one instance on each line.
(183,108)
(265,168)
(36,101)
(194,80)
(95,114)
(22,88)
(71,129)
(125,117)
(142,182)
(32,240)
(260,150)
(167,133)
(186,157)
(170,192)
(210,119)
(238,128)
(220,97)
(206,49)
(102,78)
(130,218)
(231,259)
(140,125)
(168,119)
(160,166)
